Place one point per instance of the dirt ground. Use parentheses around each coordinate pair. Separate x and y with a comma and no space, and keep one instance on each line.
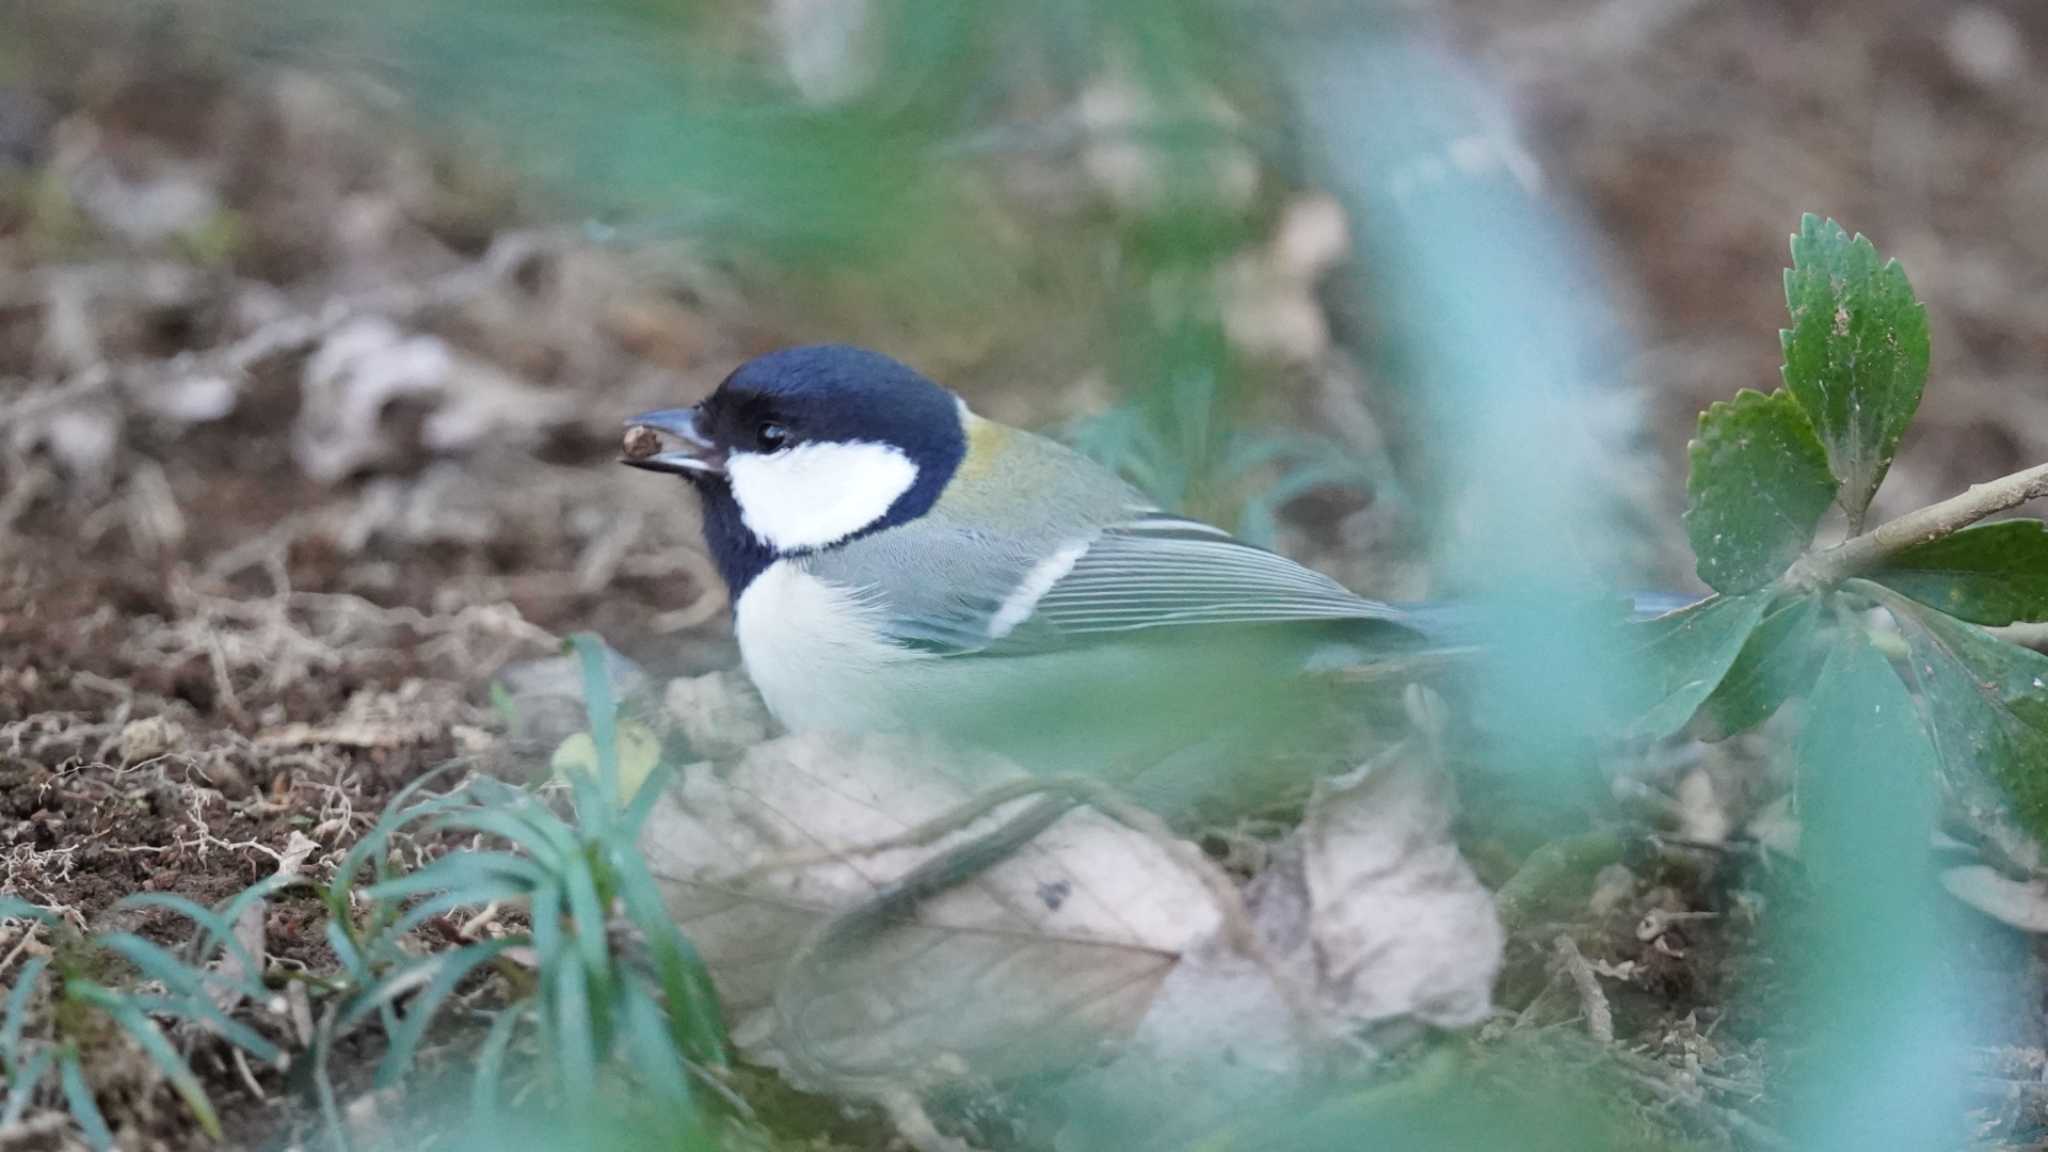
(237,612)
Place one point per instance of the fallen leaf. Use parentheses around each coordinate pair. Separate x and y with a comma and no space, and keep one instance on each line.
(1063,942)
(882,912)
(1402,926)
(368,364)
(1368,922)
(2023,904)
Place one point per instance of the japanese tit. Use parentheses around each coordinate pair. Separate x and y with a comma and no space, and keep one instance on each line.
(897,562)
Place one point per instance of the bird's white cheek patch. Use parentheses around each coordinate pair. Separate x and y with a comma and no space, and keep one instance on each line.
(817,494)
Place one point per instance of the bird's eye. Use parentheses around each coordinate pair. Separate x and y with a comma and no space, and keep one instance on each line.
(771,435)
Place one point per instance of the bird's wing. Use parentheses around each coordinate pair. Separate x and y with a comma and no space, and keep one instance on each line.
(1153,571)
(1161,571)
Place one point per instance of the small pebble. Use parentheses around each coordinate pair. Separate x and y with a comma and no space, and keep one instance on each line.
(641,442)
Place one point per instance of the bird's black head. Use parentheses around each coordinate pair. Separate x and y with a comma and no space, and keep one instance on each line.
(808,448)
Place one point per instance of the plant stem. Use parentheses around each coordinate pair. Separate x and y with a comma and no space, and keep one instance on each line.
(1859,554)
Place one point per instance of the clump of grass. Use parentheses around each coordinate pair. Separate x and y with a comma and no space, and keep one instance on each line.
(78,979)
(598,976)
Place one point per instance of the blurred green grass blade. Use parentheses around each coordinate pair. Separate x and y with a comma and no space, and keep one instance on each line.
(16,1017)
(78,1096)
(1989,574)
(476,894)
(544,911)
(160,964)
(588,913)
(1489,321)
(263,889)
(215,925)
(656,1060)
(651,789)
(491,1058)
(541,843)
(499,802)
(602,711)
(13,909)
(155,1045)
(370,848)
(575,1038)
(679,126)
(1873,1042)
(204,1011)
(344,948)
(457,871)
(1320,466)
(453,968)
(21,1086)
(218,930)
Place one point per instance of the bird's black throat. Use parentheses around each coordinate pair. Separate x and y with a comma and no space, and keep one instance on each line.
(738,554)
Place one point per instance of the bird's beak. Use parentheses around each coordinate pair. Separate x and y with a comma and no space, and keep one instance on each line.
(694,456)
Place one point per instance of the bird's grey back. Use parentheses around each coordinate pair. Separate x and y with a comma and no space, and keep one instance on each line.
(941,579)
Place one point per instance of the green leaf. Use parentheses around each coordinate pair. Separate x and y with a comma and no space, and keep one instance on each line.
(1780,661)
(1681,656)
(1992,574)
(1856,354)
(1758,486)
(1986,702)
(84,1109)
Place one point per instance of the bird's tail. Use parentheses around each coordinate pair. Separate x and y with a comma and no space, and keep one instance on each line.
(1455,623)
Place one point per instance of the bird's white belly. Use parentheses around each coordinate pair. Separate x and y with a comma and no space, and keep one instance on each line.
(813,649)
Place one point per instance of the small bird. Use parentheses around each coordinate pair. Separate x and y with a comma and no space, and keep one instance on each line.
(897,562)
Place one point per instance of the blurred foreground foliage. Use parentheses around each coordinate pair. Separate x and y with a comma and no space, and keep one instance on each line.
(871,168)
(1029,193)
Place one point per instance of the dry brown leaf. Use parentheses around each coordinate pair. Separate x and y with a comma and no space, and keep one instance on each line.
(1062,943)
(2023,904)
(1077,934)
(1369,922)
(368,365)
(1402,927)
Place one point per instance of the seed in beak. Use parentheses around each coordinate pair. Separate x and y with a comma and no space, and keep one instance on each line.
(641,442)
